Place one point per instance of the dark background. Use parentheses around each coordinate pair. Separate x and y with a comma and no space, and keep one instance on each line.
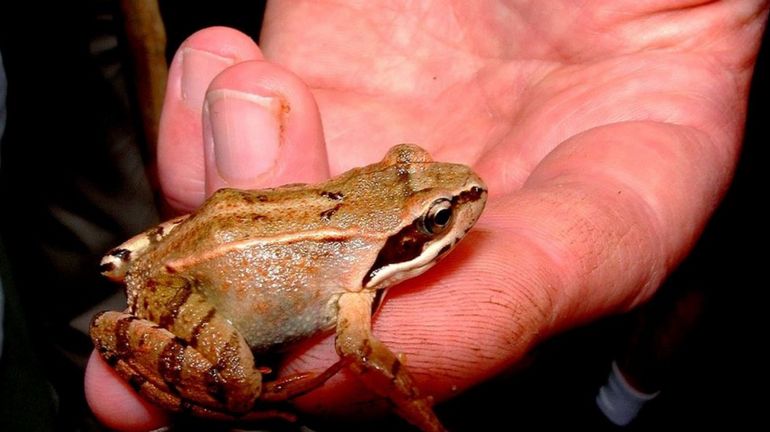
(70,190)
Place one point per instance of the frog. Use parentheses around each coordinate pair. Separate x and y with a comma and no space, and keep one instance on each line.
(255,272)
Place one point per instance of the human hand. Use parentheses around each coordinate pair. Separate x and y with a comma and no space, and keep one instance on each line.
(606,135)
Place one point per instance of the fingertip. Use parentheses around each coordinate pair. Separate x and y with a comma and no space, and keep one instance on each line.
(261,128)
(202,56)
(115,404)
(225,42)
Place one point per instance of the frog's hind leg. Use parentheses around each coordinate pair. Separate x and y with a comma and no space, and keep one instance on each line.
(115,263)
(377,366)
(176,304)
(164,368)
(186,356)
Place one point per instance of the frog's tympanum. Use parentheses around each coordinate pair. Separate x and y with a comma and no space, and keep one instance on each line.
(254,271)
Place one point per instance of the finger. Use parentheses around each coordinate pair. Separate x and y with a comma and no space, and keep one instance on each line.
(115,404)
(261,128)
(180,151)
(461,322)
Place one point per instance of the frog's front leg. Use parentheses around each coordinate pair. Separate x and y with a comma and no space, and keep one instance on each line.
(376,365)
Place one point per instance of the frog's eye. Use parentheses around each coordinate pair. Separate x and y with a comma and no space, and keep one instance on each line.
(437,218)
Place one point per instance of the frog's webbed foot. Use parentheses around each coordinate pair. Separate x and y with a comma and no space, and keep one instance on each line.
(379,369)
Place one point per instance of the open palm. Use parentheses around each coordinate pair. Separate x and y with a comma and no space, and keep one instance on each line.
(606,133)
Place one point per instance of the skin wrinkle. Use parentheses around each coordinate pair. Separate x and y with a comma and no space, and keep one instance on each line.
(647,234)
(451,37)
(540,267)
(474,320)
(703,28)
(521,294)
(434,354)
(633,27)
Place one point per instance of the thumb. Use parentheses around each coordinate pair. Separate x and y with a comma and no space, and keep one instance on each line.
(261,128)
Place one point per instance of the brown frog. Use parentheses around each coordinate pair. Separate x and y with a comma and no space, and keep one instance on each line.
(256,271)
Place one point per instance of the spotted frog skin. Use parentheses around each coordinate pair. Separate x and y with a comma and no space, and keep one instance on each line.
(256,271)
